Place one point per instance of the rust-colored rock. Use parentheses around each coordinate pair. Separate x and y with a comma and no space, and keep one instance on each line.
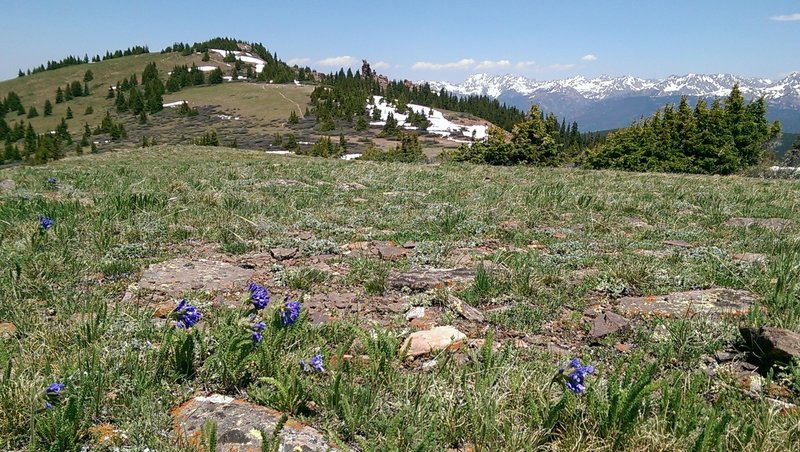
(434,339)
(239,425)
(7,329)
(388,251)
(711,302)
(678,243)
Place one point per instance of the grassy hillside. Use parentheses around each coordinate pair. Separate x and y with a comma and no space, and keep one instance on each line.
(264,107)
(546,247)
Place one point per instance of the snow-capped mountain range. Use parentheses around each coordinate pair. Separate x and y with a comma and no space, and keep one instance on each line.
(608,102)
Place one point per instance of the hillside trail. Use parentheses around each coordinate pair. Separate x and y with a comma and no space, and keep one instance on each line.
(299,110)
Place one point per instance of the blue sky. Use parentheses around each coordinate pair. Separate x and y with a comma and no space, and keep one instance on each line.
(433,40)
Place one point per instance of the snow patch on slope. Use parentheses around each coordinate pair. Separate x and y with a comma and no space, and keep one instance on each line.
(439,124)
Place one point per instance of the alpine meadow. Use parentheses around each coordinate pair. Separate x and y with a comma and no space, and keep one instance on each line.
(209,246)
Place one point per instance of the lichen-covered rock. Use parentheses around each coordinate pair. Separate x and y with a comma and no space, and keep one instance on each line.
(240,423)
(711,302)
(772,344)
(179,276)
(424,279)
(7,186)
(607,323)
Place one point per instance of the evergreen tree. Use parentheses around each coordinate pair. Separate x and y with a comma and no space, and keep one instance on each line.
(293,119)
(78,149)
(69,113)
(76,89)
(59,95)
(206,57)
(89,111)
(85,89)
(88,76)
(215,76)
(32,113)
(48,108)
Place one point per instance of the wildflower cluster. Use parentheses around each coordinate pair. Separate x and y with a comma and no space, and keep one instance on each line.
(45,222)
(575,381)
(257,328)
(52,181)
(259,295)
(186,314)
(315,364)
(290,312)
(54,393)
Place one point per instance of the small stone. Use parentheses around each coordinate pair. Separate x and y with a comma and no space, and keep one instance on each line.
(410,245)
(304,235)
(772,345)
(435,339)
(623,348)
(7,186)
(429,365)
(511,225)
(7,330)
(678,243)
(464,310)
(661,333)
(416,312)
(282,254)
(389,251)
(348,186)
(637,222)
(607,323)
(724,357)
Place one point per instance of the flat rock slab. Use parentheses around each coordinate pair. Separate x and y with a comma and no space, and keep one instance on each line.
(711,302)
(424,279)
(239,425)
(775,224)
(434,339)
(179,276)
(282,254)
(607,323)
(470,313)
(678,243)
(772,344)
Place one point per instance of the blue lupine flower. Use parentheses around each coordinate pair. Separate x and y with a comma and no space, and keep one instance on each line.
(316,363)
(257,328)
(54,390)
(52,181)
(259,295)
(186,314)
(290,312)
(575,380)
(45,222)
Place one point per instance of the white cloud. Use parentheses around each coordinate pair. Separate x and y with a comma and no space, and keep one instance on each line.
(464,63)
(786,17)
(337,61)
(381,65)
(589,57)
(526,64)
(489,64)
(298,61)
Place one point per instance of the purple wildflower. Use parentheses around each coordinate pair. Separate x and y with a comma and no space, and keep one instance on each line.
(257,328)
(52,181)
(315,364)
(45,222)
(290,312)
(575,381)
(186,314)
(259,295)
(54,390)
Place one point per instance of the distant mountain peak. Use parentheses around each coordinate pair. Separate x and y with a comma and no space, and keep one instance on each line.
(632,97)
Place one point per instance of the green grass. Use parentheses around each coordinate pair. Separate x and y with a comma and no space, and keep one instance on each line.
(117,213)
